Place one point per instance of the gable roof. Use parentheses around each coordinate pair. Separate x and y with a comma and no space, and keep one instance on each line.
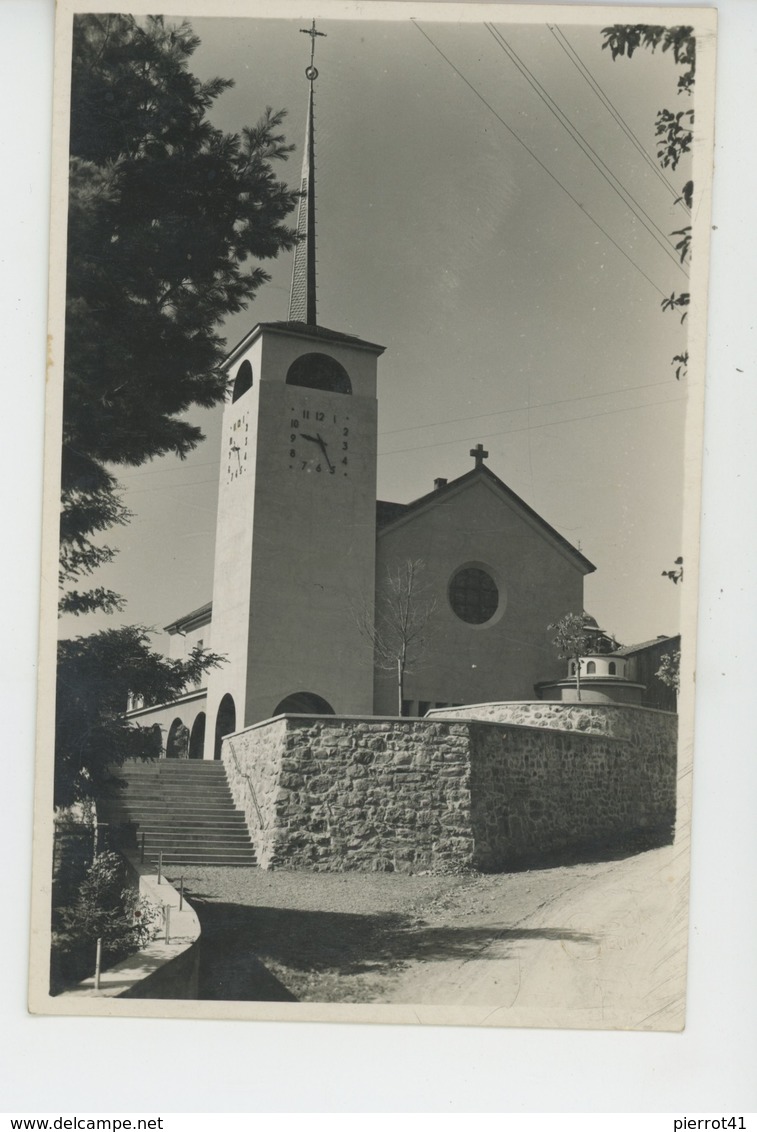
(629,650)
(385,520)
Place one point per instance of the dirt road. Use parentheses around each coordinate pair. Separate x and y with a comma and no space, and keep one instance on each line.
(600,946)
(586,945)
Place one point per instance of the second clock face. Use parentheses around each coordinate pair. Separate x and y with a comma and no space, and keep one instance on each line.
(237,449)
(319,442)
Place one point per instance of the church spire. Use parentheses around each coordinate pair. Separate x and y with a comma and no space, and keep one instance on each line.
(302,294)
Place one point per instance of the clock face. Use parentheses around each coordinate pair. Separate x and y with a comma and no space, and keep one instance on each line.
(318,441)
(238,448)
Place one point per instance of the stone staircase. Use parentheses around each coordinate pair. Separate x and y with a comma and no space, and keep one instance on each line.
(183,808)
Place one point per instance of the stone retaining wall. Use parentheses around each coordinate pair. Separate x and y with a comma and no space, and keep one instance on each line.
(442,794)
(254,762)
(370,794)
(539,792)
(642,726)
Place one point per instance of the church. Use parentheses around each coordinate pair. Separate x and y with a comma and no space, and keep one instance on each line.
(304,547)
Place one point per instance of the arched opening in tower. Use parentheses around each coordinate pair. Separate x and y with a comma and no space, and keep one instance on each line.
(319,371)
(243,381)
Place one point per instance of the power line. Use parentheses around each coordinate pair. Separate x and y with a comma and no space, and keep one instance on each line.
(172,486)
(413,428)
(539,162)
(587,148)
(547,424)
(524,408)
(459,439)
(165,471)
(563,42)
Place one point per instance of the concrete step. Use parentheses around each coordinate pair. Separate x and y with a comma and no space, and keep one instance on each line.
(210,838)
(230,823)
(192,797)
(220,798)
(160,810)
(196,772)
(160,788)
(210,858)
(185,810)
(172,766)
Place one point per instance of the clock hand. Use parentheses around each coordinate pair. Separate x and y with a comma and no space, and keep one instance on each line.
(324,446)
(305,436)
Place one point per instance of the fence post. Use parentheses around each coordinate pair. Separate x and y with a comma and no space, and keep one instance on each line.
(167,914)
(98,959)
(160,865)
(181,892)
(142,850)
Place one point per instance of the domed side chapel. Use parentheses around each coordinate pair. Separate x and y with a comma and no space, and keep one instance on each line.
(303,548)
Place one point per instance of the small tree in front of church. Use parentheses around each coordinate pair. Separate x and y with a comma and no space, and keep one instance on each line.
(572,641)
(398,627)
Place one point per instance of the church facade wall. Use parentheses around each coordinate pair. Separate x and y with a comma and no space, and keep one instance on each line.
(538,582)
(335,794)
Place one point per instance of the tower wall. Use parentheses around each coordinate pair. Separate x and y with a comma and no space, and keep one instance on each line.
(295,543)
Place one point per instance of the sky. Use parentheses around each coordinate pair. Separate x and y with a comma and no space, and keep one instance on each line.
(509,317)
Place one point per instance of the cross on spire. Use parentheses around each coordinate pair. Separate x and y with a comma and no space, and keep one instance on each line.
(479,454)
(310,71)
(302,306)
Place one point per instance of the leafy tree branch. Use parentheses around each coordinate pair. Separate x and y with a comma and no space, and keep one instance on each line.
(674,130)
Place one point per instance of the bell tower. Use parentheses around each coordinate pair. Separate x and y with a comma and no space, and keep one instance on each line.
(296,528)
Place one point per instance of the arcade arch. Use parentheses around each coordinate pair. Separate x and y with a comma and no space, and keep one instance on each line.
(197,738)
(304,703)
(226,722)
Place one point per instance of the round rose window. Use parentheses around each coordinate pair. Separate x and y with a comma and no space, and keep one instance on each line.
(473,595)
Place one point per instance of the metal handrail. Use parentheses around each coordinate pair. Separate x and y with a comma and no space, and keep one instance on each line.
(250,787)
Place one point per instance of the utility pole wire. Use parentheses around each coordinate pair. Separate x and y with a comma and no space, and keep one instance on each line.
(539,162)
(563,42)
(531,427)
(587,148)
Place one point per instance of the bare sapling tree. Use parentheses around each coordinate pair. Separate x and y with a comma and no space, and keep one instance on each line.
(398,625)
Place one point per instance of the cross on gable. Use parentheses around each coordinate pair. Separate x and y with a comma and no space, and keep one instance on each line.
(479,454)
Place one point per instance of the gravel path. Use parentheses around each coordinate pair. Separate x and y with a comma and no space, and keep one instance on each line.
(284,935)
(583,940)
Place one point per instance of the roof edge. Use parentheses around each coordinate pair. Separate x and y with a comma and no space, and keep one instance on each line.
(494,481)
(199,614)
(300,330)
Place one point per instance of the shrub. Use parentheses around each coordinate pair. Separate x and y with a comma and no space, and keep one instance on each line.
(103,907)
